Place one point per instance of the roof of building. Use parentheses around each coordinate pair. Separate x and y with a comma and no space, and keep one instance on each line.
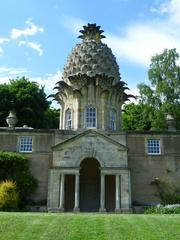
(91,57)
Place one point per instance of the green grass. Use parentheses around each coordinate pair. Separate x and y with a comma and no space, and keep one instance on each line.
(27,226)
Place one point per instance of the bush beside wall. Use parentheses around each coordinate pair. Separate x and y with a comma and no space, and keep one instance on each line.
(15,167)
(9,195)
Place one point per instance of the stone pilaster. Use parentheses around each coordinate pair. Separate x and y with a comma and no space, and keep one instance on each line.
(61,202)
(102,194)
(53,191)
(76,197)
(117,208)
(61,120)
(125,191)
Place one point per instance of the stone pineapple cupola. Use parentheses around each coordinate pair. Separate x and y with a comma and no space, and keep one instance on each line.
(91,92)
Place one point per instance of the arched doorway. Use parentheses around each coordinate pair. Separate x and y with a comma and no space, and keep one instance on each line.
(89,185)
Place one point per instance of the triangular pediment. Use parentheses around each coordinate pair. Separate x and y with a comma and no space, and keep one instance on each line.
(89,134)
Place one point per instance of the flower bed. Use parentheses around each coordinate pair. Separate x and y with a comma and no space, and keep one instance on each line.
(167,209)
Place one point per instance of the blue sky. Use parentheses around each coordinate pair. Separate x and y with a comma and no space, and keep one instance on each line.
(36,36)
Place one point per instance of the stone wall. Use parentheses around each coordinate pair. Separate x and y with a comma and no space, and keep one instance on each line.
(90,144)
(144,167)
(40,158)
(91,95)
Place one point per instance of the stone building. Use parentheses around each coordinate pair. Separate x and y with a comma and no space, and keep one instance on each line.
(90,164)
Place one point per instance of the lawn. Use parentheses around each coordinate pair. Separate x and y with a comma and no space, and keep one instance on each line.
(27,226)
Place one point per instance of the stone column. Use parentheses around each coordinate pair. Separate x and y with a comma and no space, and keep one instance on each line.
(117,209)
(79,125)
(76,197)
(53,190)
(102,194)
(62,120)
(61,202)
(103,111)
(125,191)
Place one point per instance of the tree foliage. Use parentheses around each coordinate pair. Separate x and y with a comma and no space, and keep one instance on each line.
(160,97)
(29,101)
(51,118)
(15,167)
(136,117)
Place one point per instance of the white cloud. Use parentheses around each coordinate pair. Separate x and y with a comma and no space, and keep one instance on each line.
(32,29)
(170,8)
(33,45)
(21,43)
(1,51)
(174,11)
(161,9)
(4,79)
(142,40)
(49,81)
(3,40)
(36,47)
(10,72)
(7,73)
(140,43)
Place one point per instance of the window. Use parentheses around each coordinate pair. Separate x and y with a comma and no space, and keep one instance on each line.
(69,119)
(25,144)
(153,146)
(90,117)
(112,120)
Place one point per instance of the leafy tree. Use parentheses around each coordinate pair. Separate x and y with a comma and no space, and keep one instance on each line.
(158,99)
(29,102)
(164,92)
(51,118)
(15,167)
(136,117)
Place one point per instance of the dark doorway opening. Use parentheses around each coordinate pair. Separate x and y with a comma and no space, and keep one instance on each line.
(110,193)
(89,185)
(69,193)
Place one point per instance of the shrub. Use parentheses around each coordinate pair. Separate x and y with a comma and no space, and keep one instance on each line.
(15,166)
(9,195)
(167,209)
(171,198)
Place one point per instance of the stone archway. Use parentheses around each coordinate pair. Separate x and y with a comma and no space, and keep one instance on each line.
(89,185)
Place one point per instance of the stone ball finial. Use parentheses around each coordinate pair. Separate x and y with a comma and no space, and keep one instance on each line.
(170,122)
(11,119)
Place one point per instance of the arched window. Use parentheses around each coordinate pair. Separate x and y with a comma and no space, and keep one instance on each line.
(69,119)
(112,120)
(90,117)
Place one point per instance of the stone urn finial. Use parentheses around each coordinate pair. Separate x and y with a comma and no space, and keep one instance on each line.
(170,122)
(11,119)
